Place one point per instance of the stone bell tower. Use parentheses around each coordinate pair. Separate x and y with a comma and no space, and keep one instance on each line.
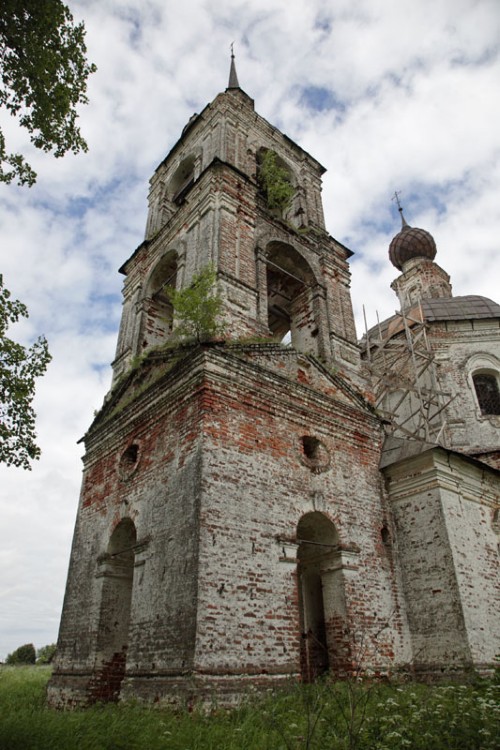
(223,539)
(278,269)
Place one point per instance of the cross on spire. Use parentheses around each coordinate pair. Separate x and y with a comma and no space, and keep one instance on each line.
(395,197)
(233,77)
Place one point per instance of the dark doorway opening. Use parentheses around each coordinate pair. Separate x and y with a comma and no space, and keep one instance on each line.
(317,552)
(114,620)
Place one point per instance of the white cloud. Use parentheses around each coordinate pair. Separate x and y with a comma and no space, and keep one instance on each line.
(415,86)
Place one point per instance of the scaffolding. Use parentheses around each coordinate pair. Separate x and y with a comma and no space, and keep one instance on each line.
(403,369)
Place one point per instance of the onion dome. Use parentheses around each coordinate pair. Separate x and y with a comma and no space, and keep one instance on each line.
(409,243)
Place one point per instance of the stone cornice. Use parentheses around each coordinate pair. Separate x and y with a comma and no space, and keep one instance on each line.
(439,468)
(194,367)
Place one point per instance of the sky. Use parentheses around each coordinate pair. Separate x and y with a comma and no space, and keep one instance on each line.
(387,94)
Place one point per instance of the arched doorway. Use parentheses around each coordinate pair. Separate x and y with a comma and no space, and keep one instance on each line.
(114,618)
(319,602)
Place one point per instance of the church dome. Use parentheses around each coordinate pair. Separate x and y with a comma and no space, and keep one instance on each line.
(411,242)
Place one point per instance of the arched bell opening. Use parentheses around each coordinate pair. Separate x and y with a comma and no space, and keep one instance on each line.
(158,309)
(117,572)
(321,596)
(182,179)
(277,183)
(290,285)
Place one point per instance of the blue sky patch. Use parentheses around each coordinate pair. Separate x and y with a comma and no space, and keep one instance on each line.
(320,99)
(323,23)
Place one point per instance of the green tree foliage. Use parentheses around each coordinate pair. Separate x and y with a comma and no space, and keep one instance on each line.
(275,183)
(45,654)
(23,655)
(43,72)
(196,308)
(19,367)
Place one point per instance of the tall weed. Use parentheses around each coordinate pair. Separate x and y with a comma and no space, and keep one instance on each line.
(328,715)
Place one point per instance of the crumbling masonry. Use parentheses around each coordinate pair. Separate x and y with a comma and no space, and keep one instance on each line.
(254,511)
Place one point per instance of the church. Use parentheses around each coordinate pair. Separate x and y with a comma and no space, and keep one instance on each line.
(281,500)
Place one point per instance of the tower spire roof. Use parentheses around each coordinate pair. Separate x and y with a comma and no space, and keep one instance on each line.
(233,77)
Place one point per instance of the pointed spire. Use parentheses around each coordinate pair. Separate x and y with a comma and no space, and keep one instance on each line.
(400,209)
(233,77)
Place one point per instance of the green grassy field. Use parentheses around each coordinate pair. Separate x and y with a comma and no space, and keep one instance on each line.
(326,716)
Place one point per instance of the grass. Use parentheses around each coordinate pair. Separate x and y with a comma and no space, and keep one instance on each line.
(326,716)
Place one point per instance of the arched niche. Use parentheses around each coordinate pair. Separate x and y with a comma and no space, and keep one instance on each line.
(117,572)
(158,310)
(321,596)
(290,297)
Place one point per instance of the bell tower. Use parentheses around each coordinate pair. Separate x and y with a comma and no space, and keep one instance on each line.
(220,528)
(237,194)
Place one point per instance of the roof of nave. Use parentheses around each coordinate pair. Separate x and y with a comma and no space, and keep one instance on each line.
(468,307)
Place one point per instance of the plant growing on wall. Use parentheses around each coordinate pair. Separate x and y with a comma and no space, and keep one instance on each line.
(274,180)
(45,654)
(197,307)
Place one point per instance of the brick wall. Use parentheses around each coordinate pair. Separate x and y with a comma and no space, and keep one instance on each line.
(219,487)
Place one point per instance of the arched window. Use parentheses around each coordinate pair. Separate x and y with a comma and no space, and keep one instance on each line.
(487,392)
(158,309)
(413,295)
(182,179)
(290,285)
(276,182)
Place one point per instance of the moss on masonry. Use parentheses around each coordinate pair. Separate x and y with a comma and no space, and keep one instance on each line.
(133,384)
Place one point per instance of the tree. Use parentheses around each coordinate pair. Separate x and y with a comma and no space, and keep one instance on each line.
(19,367)
(23,655)
(45,654)
(44,73)
(196,308)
